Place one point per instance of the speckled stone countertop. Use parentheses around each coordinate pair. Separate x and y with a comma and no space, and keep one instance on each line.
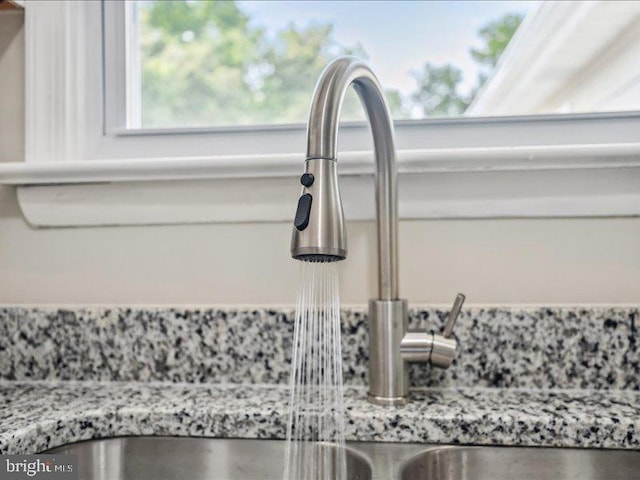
(37,416)
(552,377)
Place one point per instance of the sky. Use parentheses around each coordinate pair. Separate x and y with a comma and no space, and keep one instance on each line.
(399,36)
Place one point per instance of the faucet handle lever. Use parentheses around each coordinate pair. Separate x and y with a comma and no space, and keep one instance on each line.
(453,315)
(443,347)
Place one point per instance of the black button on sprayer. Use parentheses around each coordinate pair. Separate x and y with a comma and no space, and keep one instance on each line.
(307,179)
(302,213)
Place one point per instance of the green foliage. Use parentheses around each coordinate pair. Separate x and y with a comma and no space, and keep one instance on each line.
(196,56)
(437,91)
(295,61)
(496,36)
(206,63)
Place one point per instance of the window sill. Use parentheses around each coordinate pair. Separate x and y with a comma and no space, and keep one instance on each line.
(529,181)
(521,158)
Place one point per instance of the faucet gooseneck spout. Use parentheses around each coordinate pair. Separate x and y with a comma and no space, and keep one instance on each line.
(322,141)
(319,233)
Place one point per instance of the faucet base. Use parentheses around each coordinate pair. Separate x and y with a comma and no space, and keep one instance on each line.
(388,374)
(387,401)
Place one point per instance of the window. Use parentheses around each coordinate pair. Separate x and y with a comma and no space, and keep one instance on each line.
(106,145)
(435,59)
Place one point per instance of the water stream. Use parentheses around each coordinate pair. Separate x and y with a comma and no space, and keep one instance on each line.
(315,431)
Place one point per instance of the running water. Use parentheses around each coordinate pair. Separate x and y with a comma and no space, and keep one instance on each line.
(315,432)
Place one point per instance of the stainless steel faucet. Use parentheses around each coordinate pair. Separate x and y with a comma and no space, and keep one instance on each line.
(319,233)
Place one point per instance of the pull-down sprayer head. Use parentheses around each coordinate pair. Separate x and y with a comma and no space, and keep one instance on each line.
(319,233)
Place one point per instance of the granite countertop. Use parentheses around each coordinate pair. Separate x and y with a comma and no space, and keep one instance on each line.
(38,415)
(523,376)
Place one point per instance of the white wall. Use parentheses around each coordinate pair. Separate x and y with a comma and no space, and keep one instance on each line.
(11,86)
(494,261)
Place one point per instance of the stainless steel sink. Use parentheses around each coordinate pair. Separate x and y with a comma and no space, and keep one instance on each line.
(510,463)
(158,458)
(182,458)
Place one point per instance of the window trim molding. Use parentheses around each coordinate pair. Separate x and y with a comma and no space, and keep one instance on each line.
(419,161)
(69,146)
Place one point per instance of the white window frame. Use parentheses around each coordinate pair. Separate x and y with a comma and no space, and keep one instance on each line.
(83,168)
